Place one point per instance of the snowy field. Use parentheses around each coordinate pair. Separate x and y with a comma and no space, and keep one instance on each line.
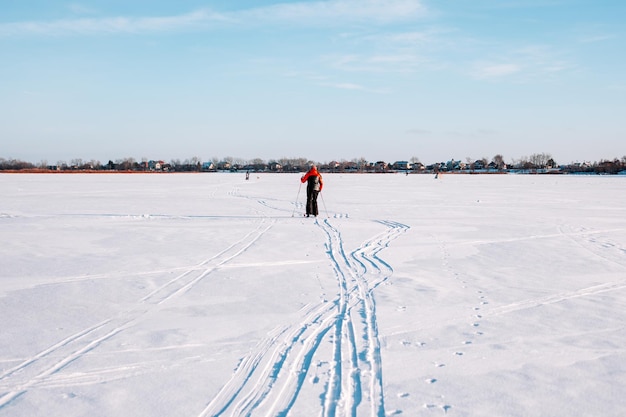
(198,295)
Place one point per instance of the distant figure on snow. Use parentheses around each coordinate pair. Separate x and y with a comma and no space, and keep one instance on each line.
(313,188)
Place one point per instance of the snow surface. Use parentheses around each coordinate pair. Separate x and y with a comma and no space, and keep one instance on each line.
(202,295)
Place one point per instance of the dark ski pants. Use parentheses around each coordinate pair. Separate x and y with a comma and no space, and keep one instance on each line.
(311,202)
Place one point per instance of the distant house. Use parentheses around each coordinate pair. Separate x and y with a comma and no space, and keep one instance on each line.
(334,166)
(208,166)
(401,165)
(156,165)
(349,166)
(275,166)
(418,166)
(453,165)
(381,166)
(224,166)
(478,164)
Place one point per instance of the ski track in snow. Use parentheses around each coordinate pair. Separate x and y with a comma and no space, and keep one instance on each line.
(357,373)
(269,380)
(38,369)
(337,340)
(557,298)
(595,242)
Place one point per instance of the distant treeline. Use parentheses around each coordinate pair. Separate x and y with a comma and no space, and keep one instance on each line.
(536,163)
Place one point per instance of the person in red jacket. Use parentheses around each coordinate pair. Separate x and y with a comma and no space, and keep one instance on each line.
(313,188)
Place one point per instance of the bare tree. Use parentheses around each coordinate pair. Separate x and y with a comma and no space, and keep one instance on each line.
(540,160)
(176,164)
(361,163)
(195,163)
(498,161)
(258,164)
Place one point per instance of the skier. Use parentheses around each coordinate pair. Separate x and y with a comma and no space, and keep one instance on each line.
(313,188)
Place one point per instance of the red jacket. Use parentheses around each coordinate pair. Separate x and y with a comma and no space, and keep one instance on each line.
(312,173)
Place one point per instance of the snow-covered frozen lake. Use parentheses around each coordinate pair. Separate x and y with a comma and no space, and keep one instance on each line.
(198,295)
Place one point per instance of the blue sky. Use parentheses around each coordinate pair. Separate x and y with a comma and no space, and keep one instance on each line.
(326,80)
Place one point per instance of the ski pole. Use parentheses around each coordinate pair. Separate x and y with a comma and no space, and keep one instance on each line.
(324,203)
(297,196)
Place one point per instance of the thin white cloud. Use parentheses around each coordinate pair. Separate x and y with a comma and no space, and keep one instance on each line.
(597,38)
(306,75)
(399,63)
(354,87)
(523,63)
(346,86)
(111,25)
(483,71)
(429,36)
(410,37)
(81,9)
(331,12)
